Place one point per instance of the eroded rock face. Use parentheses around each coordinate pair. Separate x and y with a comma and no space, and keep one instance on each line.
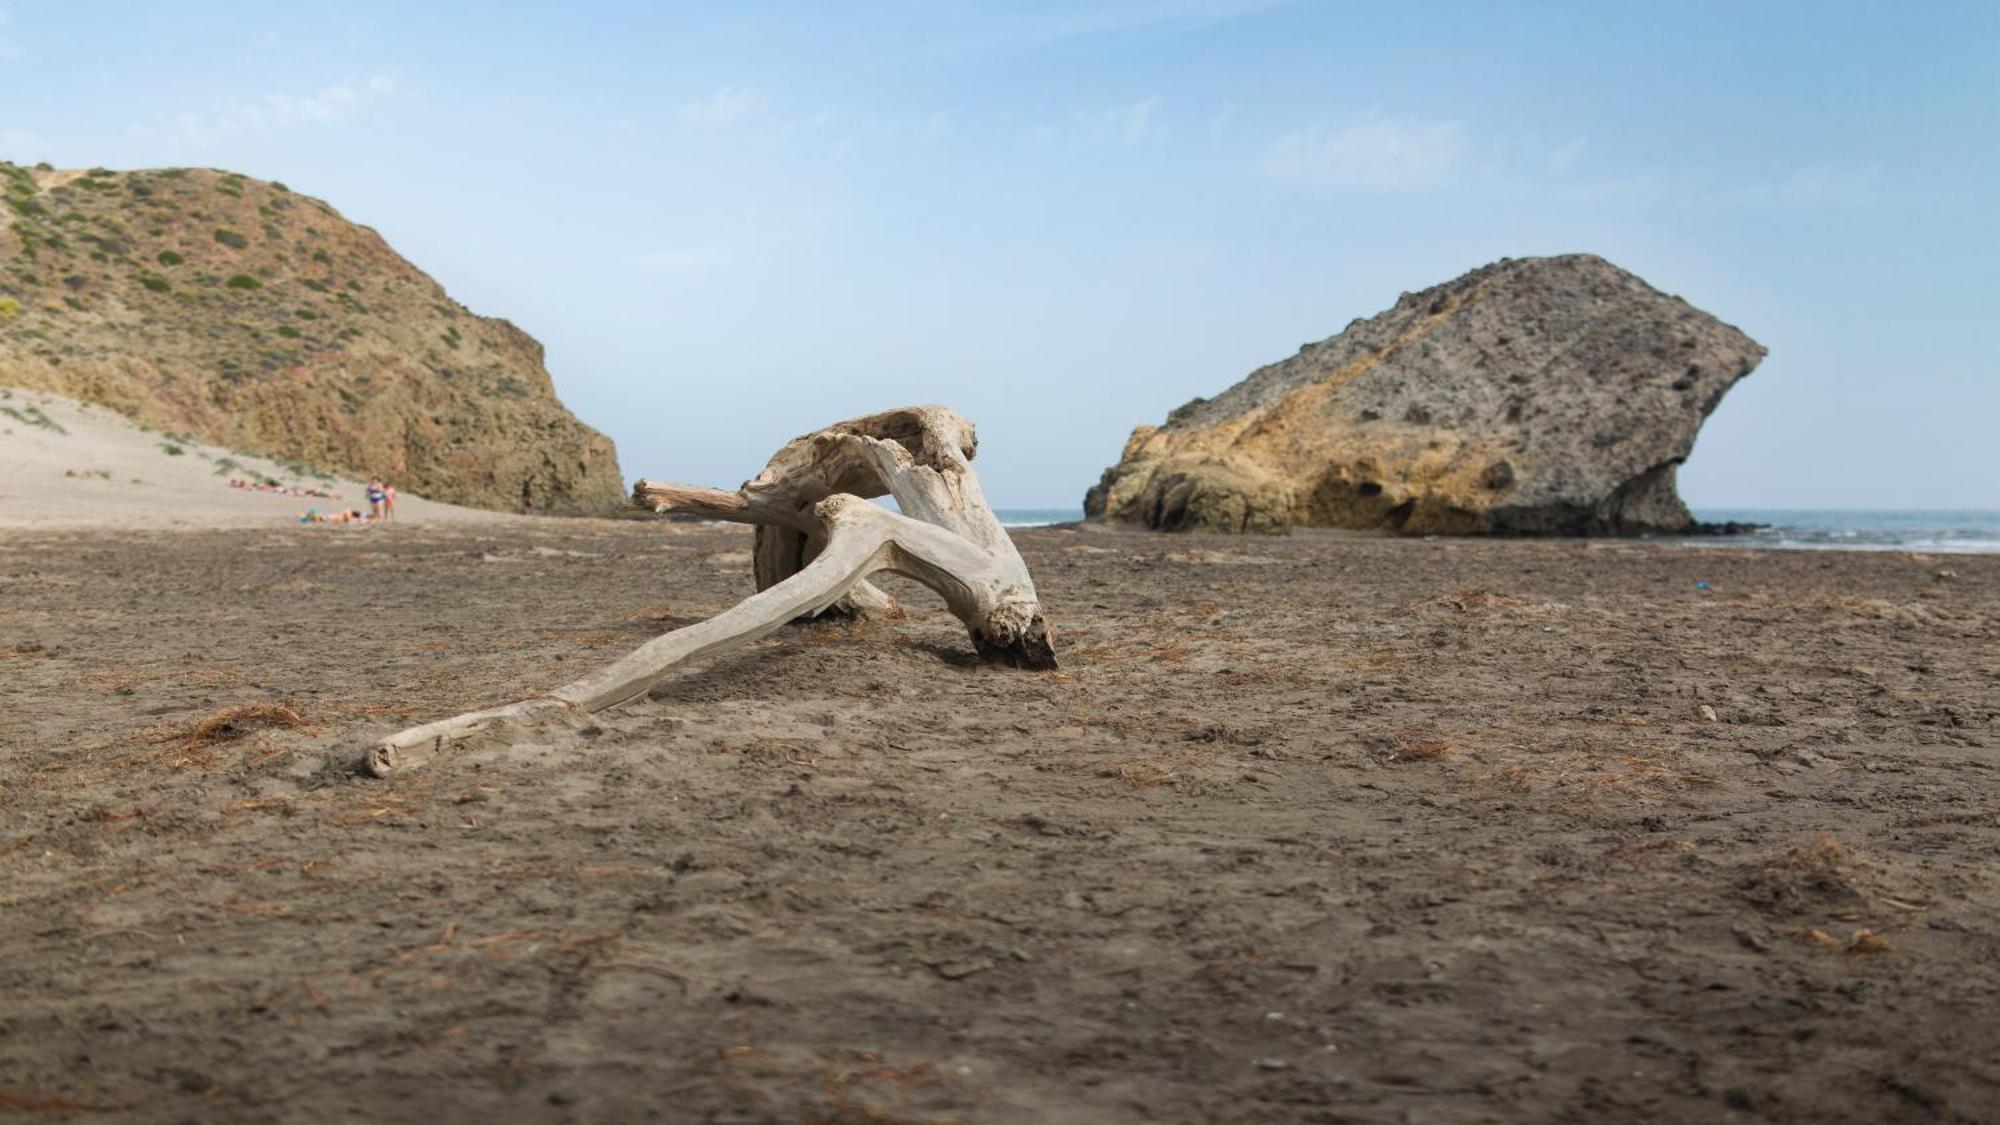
(252,316)
(1531,396)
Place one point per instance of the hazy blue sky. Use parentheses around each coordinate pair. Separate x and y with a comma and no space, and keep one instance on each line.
(733,223)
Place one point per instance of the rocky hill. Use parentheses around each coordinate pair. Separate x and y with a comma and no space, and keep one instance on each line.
(1531,396)
(257,318)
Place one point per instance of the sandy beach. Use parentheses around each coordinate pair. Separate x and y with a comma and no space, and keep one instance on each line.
(68,464)
(1305,829)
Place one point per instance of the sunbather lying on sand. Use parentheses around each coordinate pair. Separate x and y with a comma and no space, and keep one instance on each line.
(333,519)
(277,489)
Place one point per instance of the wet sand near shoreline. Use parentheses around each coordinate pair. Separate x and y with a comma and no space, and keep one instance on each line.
(1304,829)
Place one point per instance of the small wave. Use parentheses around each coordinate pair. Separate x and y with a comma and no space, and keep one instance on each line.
(1941,532)
(1037,517)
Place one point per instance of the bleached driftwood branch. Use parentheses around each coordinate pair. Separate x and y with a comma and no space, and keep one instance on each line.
(818,540)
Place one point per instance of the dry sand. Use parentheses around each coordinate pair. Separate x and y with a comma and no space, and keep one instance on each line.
(1307,829)
(66,464)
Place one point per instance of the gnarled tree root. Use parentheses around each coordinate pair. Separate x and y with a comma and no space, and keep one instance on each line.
(819,539)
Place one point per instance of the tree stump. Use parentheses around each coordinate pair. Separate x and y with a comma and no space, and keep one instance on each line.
(818,540)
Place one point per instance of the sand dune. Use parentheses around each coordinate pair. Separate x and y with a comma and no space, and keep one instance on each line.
(69,464)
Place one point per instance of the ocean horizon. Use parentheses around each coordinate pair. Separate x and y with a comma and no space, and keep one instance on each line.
(1970,531)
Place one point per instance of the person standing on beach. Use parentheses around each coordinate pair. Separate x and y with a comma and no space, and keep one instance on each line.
(388,501)
(376,496)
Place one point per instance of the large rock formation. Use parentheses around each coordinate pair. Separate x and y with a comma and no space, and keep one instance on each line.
(1531,396)
(251,316)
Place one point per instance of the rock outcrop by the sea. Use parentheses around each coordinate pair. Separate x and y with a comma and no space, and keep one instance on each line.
(254,317)
(1532,396)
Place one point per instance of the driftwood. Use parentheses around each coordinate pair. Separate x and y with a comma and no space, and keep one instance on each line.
(818,539)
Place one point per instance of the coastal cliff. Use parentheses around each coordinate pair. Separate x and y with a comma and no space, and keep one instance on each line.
(251,316)
(1532,396)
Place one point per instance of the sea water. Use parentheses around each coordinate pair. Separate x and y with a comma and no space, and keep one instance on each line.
(1966,532)
(1961,532)
(1037,517)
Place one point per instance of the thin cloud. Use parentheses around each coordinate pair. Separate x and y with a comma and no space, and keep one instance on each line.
(729,104)
(937,126)
(1125,124)
(1564,156)
(333,105)
(1220,121)
(749,114)
(1828,187)
(1372,154)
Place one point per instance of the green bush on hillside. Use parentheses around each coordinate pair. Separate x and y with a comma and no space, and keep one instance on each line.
(231,239)
(169,258)
(33,416)
(244,281)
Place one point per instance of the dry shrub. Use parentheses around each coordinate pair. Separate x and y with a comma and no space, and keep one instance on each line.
(1414,742)
(1128,650)
(1205,612)
(1877,609)
(1862,942)
(1633,769)
(1152,726)
(232,723)
(1484,599)
(1818,874)
(12,1102)
(1477,601)
(826,632)
(1868,941)
(1145,775)
(1465,601)
(1824,854)
(1379,660)
(1258,674)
